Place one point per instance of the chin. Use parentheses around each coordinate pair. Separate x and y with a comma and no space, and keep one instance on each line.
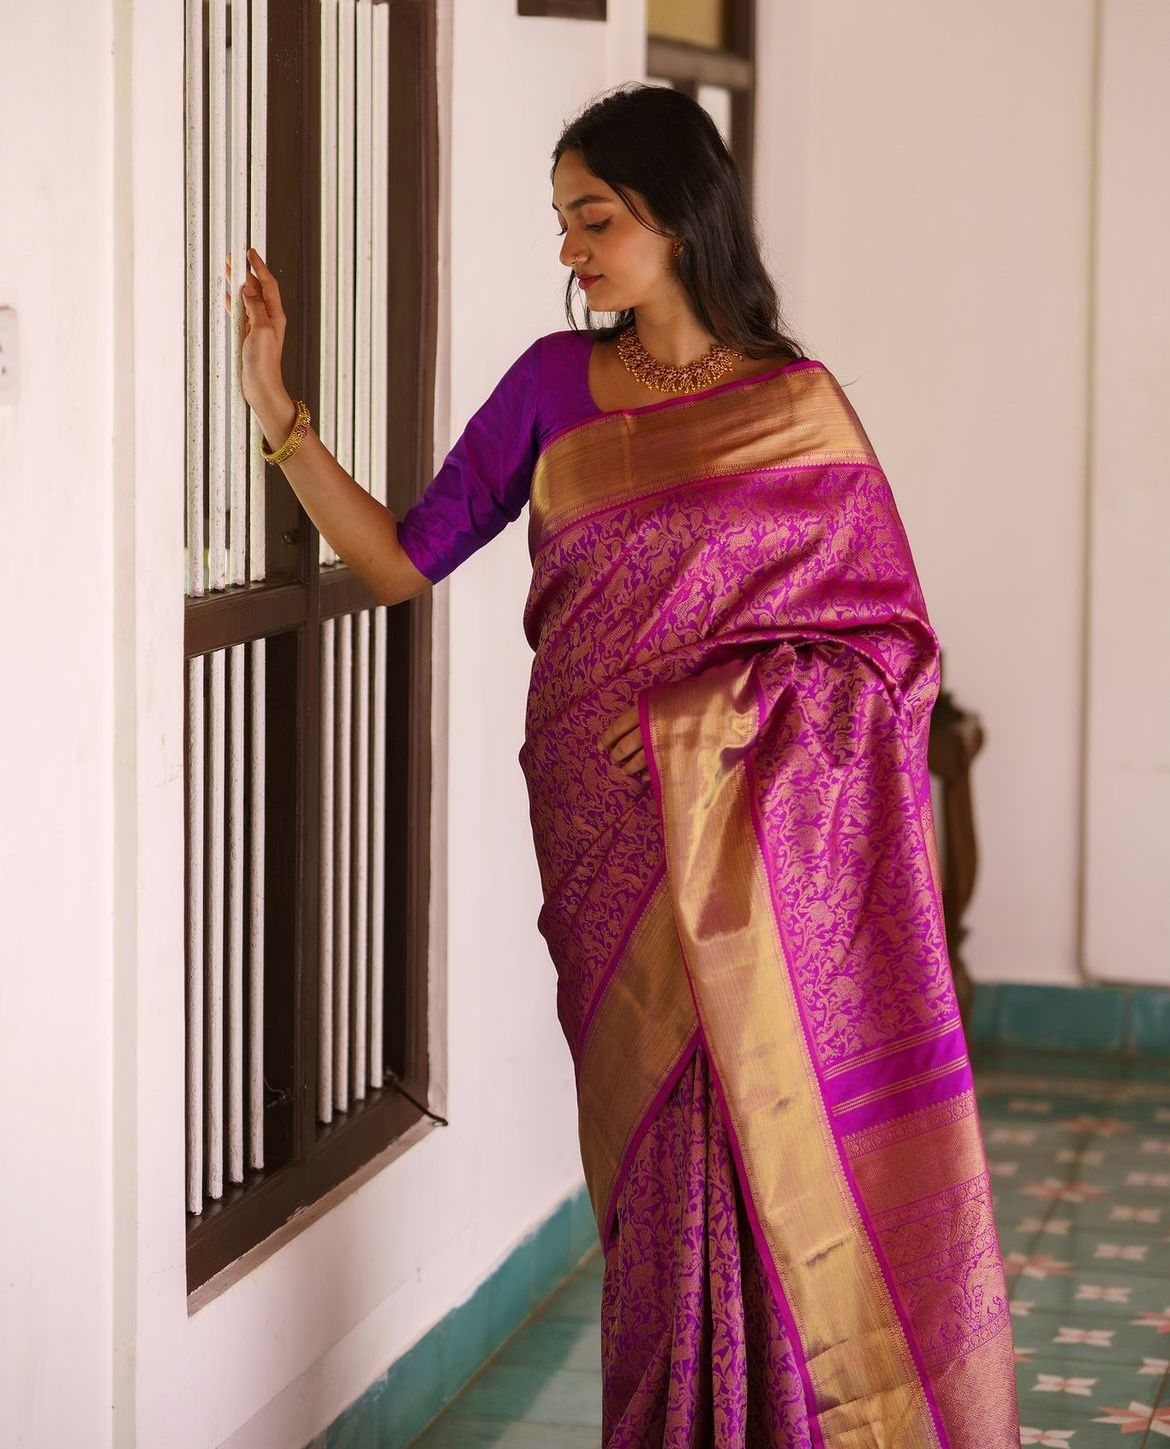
(608,305)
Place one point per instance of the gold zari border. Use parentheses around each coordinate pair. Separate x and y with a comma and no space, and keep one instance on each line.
(866,1385)
(644,1022)
(794,419)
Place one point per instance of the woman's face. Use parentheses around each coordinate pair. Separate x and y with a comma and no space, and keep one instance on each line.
(603,238)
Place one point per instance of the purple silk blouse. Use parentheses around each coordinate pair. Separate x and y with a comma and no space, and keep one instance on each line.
(485,479)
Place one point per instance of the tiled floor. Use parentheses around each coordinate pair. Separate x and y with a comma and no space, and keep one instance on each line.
(1079,1151)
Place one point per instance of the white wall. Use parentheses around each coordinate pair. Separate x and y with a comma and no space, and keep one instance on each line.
(92,1286)
(927,188)
(59,600)
(1127,865)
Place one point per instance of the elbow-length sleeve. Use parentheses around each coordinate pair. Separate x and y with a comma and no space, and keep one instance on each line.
(484,481)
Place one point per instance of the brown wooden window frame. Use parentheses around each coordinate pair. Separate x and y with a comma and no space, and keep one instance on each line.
(733,67)
(306,1159)
(563,9)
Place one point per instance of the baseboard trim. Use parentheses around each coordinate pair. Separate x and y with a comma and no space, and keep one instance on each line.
(417,1387)
(1126,1021)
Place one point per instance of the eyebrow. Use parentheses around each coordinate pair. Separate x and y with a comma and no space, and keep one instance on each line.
(581,201)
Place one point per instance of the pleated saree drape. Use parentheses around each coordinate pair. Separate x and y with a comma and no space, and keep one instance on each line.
(777,1122)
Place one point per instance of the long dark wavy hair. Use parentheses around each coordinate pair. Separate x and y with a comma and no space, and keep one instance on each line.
(665,146)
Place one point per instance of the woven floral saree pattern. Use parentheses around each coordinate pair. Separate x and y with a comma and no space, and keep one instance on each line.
(759,926)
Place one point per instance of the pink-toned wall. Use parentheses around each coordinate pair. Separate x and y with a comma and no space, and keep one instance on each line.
(965,205)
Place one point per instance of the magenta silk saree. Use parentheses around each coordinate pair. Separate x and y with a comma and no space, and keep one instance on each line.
(777,1122)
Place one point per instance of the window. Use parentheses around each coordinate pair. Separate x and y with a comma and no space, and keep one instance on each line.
(564,9)
(707,49)
(308,705)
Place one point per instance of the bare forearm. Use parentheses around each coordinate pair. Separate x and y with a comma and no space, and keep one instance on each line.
(360,530)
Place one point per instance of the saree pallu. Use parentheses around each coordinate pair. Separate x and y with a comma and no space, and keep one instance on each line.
(777,1119)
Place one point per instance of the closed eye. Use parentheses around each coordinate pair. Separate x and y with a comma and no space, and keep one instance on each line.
(596,226)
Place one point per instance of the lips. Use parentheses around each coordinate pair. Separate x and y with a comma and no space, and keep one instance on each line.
(586,281)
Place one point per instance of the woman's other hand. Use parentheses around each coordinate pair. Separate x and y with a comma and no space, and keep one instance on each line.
(263,325)
(623,739)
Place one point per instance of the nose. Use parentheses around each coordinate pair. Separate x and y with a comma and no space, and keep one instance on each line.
(571,252)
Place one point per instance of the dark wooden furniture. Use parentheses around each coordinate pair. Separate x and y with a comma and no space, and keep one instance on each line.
(956,737)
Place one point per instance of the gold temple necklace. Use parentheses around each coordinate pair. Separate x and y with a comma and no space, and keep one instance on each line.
(661,377)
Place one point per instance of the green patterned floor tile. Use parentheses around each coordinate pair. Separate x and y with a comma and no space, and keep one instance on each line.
(1048,1232)
(1065,1085)
(1144,1118)
(1120,1158)
(1092,1292)
(1120,1212)
(1142,1085)
(1030,1135)
(1011,1175)
(1010,1163)
(1088,1337)
(1058,1427)
(1070,1403)
(1016,1233)
(1150,1069)
(1075,1152)
(1117,1171)
(1041,1262)
(1039,1376)
(1098,1249)
(1106,1425)
(1041,1190)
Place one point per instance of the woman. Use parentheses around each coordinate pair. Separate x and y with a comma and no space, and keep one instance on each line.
(725,754)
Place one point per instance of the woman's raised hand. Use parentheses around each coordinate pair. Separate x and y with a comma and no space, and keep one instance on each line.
(263,324)
(623,739)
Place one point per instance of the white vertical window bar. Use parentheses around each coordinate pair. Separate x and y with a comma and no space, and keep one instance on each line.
(377,847)
(364,247)
(343,628)
(343,795)
(238,173)
(195,935)
(217,318)
(345,232)
(217,325)
(215,850)
(258,237)
(377,414)
(238,246)
(258,211)
(325,883)
(235,900)
(360,875)
(195,582)
(258,658)
(329,101)
(196,298)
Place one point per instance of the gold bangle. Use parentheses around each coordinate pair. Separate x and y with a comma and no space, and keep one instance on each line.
(294,439)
